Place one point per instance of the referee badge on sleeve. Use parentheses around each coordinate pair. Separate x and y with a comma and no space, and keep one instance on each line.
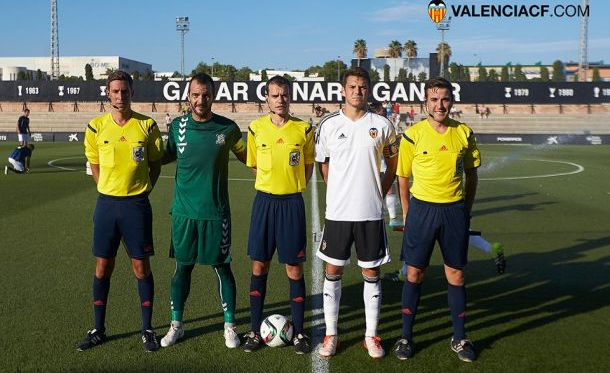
(295,158)
(138,153)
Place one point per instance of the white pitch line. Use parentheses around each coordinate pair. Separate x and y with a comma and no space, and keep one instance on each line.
(51,163)
(579,169)
(318,364)
(313,181)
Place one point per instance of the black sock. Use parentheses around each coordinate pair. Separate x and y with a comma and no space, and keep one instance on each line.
(297,303)
(101,287)
(258,289)
(146,289)
(411,293)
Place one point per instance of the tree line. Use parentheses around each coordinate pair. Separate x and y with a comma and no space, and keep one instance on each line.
(331,70)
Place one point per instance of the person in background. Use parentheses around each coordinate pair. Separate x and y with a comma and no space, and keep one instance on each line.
(23,128)
(20,160)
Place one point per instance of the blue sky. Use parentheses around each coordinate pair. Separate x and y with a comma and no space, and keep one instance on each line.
(272,34)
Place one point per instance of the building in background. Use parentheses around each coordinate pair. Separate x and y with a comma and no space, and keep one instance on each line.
(71,66)
(299,76)
(416,65)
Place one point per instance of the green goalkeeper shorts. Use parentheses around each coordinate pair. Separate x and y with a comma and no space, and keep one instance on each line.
(201,241)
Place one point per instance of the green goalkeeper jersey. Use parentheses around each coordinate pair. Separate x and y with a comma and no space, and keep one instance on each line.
(202,161)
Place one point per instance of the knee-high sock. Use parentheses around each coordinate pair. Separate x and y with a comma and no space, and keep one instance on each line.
(101,287)
(297,303)
(372,304)
(332,300)
(457,305)
(146,290)
(390,200)
(411,293)
(180,289)
(258,289)
(227,291)
(480,243)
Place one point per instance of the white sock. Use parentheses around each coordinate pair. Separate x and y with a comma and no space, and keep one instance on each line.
(480,243)
(332,299)
(390,201)
(372,305)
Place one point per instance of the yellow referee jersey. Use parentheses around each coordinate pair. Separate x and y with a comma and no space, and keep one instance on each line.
(123,153)
(280,154)
(437,161)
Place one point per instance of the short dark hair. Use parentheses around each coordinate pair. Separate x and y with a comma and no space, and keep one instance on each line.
(205,79)
(119,75)
(31,146)
(437,82)
(279,81)
(359,72)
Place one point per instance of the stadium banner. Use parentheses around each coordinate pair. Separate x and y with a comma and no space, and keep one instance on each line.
(543,139)
(315,92)
(485,138)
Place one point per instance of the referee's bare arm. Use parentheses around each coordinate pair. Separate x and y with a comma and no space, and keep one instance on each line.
(324,170)
(308,172)
(404,193)
(154,170)
(389,175)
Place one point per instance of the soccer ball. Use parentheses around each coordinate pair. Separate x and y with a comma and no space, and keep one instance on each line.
(276,331)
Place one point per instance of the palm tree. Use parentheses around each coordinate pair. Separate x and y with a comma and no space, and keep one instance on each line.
(395,51)
(360,49)
(443,51)
(410,48)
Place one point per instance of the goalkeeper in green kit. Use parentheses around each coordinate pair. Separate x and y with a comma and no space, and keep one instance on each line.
(200,142)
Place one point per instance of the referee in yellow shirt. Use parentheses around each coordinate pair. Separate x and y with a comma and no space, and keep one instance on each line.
(124,149)
(281,152)
(442,157)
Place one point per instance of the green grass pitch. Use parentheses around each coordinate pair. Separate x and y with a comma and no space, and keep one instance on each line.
(549,313)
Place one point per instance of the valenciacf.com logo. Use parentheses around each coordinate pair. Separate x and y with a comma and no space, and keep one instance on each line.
(437,10)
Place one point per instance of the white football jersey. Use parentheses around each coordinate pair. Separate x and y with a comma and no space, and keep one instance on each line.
(354,151)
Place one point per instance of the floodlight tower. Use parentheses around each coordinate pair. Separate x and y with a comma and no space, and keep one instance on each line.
(583,62)
(182,26)
(54,42)
(443,26)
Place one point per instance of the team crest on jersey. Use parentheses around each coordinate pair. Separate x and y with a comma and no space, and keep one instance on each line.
(295,158)
(323,245)
(137,153)
(220,139)
(373,132)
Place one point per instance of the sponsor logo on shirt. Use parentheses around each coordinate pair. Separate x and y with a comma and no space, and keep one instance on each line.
(342,137)
(443,148)
(280,141)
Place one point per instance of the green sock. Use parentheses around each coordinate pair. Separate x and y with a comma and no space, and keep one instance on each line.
(227,290)
(181,286)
